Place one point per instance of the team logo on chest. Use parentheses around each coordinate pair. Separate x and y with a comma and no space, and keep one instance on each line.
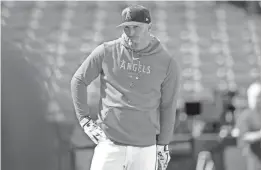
(136,67)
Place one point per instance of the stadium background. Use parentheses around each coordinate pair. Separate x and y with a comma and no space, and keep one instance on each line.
(218,45)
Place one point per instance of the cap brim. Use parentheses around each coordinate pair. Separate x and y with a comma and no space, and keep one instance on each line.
(131,23)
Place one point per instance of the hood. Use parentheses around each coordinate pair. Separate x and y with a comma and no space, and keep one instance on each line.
(153,47)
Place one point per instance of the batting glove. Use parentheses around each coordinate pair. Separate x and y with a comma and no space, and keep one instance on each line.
(93,130)
(163,157)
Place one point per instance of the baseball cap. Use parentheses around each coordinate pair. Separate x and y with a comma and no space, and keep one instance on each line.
(135,15)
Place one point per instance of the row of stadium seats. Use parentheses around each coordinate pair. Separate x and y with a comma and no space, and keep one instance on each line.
(217,45)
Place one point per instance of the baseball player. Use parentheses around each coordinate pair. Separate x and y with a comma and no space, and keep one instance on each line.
(139,89)
(249,128)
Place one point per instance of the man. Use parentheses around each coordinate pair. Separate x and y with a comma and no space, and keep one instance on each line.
(249,128)
(139,91)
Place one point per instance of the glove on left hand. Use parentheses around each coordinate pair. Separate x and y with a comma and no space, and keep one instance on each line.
(163,157)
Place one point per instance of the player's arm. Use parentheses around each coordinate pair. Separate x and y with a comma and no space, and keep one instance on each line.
(242,127)
(245,135)
(169,96)
(85,74)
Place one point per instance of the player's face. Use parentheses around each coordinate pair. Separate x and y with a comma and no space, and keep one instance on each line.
(136,34)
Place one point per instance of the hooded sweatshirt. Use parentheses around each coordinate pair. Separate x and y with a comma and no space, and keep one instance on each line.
(138,91)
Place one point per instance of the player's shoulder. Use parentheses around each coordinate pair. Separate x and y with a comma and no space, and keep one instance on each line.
(107,44)
(166,53)
(172,58)
(169,54)
(112,43)
(103,48)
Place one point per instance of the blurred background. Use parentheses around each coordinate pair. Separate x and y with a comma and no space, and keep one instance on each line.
(217,44)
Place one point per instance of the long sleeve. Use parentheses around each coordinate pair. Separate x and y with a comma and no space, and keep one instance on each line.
(169,96)
(243,126)
(85,74)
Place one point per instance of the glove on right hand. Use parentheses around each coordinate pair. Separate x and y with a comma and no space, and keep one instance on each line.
(92,129)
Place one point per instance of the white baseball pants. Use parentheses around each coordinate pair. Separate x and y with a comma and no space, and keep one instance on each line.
(109,156)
